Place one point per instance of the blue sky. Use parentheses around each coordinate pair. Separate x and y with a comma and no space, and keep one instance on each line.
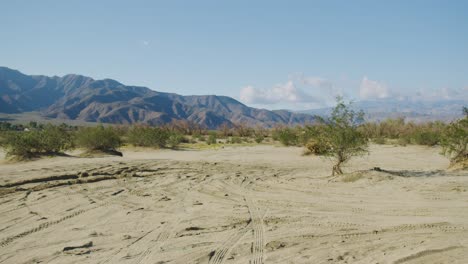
(272,54)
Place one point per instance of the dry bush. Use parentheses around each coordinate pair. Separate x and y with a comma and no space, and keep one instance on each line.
(242,130)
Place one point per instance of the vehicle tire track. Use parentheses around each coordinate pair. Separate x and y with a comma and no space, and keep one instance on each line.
(258,255)
(164,235)
(232,241)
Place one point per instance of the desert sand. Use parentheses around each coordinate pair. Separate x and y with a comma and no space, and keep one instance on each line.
(261,204)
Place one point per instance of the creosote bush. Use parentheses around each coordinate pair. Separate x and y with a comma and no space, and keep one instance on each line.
(27,144)
(455,140)
(145,136)
(339,136)
(99,138)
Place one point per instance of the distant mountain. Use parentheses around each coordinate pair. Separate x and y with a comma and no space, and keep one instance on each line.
(417,111)
(77,97)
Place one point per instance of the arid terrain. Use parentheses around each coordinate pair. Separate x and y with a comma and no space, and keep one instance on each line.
(262,204)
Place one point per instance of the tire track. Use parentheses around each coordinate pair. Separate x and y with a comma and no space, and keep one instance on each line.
(258,255)
(166,234)
(232,241)
(424,253)
(8,240)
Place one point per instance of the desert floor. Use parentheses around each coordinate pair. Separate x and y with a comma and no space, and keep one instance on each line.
(261,204)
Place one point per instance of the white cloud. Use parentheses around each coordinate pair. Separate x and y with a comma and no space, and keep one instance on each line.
(145,43)
(282,93)
(370,89)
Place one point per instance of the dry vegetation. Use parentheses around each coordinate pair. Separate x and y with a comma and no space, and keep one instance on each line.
(340,137)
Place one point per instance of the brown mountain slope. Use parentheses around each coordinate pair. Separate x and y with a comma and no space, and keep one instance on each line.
(78,97)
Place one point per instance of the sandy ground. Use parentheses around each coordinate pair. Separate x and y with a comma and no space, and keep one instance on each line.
(256,205)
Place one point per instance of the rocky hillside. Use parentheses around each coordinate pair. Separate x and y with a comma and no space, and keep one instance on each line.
(79,97)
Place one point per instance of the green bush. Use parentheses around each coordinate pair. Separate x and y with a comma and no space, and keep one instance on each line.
(455,140)
(98,138)
(340,135)
(174,140)
(144,136)
(287,137)
(428,138)
(259,138)
(235,140)
(211,138)
(379,140)
(27,144)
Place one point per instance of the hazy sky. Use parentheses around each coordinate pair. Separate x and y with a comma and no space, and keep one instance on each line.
(273,54)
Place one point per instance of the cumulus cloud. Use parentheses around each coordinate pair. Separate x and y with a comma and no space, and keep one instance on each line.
(281,93)
(370,89)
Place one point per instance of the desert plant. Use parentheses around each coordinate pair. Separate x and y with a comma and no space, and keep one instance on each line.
(55,139)
(316,147)
(455,139)
(27,144)
(98,138)
(259,138)
(225,130)
(379,140)
(211,138)
(425,137)
(145,136)
(236,140)
(341,136)
(287,136)
(174,140)
(242,130)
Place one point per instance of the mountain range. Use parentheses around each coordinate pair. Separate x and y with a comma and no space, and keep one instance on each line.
(412,110)
(81,98)
(77,97)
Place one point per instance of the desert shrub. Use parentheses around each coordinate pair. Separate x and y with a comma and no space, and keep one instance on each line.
(403,141)
(185,127)
(55,139)
(428,138)
(316,147)
(379,140)
(242,130)
(455,139)
(98,138)
(422,134)
(259,134)
(287,136)
(211,138)
(225,130)
(259,138)
(235,140)
(174,140)
(27,144)
(341,136)
(145,136)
